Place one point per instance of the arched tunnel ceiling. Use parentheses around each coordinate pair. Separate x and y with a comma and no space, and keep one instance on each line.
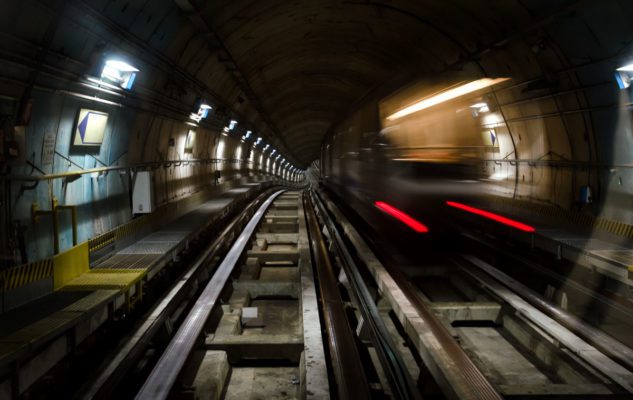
(301,64)
(307,60)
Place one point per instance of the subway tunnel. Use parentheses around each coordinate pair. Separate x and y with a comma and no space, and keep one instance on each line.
(316,199)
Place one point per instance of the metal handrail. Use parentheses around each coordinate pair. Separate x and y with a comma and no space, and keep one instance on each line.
(135,167)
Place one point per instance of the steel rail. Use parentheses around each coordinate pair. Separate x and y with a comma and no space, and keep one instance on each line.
(618,373)
(105,383)
(603,341)
(351,382)
(454,371)
(164,375)
(400,380)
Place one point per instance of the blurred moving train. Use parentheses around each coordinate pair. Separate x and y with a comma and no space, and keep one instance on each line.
(412,150)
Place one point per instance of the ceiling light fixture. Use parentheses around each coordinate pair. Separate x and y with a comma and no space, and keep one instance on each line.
(120,73)
(624,75)
(626,68)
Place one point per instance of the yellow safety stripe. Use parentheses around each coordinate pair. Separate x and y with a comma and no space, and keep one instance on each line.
(25,274)
(615,227)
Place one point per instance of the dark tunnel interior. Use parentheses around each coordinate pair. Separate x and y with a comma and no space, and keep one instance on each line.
(433,138)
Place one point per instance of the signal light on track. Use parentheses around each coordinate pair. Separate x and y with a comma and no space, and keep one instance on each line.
(402,216)
(495,217)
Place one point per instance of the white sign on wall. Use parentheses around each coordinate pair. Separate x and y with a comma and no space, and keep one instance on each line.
(48,148)
(90,127)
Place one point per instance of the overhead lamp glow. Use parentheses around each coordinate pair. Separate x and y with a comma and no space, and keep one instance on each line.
(446,95)
(232,124)
(624,75)
(121,66)
(480,108)
(626,68)
(202,112)
(120,73)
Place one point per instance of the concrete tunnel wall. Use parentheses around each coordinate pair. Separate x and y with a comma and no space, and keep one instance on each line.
(140,127)
(131,138)
(307,64)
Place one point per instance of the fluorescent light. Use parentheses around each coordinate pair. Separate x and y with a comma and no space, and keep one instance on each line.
(446,95)
(232,124)
(479,108)
(626,68)
(205,106)
(111,73)
(119,72)
(191,124)
(121,66)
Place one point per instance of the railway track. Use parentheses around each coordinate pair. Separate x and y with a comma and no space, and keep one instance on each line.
(516,344)
(300,306)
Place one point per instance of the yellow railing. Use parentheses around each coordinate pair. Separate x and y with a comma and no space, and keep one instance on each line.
(24,274)
(73,262)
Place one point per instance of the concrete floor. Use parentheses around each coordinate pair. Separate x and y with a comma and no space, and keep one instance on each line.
(265,383)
